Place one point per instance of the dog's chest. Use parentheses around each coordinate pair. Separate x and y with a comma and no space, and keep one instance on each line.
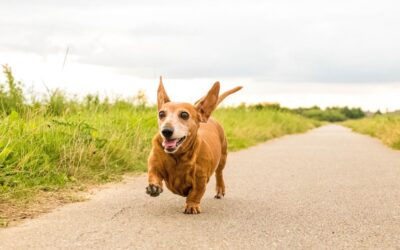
(180,180)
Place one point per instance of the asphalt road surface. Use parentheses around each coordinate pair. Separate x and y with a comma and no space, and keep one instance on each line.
(328,188)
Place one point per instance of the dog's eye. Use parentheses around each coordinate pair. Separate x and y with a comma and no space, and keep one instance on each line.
(184,115)
(161,114)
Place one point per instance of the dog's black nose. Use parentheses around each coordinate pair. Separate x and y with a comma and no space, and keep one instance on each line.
(167,132)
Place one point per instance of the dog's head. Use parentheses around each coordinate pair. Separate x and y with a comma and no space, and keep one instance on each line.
(179,122)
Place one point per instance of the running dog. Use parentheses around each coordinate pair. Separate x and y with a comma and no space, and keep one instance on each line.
(188,149)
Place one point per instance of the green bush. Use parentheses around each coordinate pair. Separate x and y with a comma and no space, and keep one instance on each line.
(331,114)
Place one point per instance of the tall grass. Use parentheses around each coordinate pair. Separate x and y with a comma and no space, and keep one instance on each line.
(11,96)
(47,153)
(384,127)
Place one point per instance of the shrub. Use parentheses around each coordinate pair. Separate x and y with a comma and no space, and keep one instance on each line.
(331,114)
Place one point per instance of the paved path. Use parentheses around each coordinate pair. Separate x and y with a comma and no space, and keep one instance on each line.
(329,188)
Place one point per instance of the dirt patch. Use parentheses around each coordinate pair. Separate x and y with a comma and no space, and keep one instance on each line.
(12,213)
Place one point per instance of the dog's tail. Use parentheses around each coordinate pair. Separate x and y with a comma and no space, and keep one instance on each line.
(229,92)
(223,96)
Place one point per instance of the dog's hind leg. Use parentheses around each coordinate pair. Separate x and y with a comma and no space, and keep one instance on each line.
(220,188)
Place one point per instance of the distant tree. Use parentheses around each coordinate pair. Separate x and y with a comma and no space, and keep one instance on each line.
(331,114)
(354,113)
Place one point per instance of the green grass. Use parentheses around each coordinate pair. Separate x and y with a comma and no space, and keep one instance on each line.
(51,152)
(246,127)
(384,127)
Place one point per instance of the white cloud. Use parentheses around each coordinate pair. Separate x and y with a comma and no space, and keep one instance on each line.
(289,43)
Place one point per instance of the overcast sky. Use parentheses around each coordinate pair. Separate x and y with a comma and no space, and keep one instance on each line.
(298,53)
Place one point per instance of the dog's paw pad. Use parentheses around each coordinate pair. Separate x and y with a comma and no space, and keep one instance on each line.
(153,190)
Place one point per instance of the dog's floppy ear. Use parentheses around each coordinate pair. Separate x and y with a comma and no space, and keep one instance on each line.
(206,105)
(162,96)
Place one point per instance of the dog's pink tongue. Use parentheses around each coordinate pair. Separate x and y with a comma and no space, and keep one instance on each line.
(170,143)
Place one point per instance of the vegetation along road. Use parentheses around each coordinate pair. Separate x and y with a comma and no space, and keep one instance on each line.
(329,187)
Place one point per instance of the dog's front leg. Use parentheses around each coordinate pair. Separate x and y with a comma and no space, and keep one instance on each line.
(195,195)
(154,188)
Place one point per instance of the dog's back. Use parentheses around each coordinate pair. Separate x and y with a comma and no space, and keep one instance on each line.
(213,140)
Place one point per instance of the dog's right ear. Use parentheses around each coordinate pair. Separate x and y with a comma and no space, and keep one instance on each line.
(162,96)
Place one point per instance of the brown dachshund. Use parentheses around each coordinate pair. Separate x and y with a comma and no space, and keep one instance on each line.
(188,149)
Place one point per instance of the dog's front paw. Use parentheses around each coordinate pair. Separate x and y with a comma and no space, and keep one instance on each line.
(192,209)
(154,190)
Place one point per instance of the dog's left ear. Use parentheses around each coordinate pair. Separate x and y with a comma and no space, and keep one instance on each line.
(206,105)
(162,96)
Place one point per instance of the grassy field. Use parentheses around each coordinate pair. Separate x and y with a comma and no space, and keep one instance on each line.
(57,145)
(384,127)
(245,127)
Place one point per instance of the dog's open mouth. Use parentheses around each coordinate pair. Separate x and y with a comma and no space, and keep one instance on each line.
(171,145)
